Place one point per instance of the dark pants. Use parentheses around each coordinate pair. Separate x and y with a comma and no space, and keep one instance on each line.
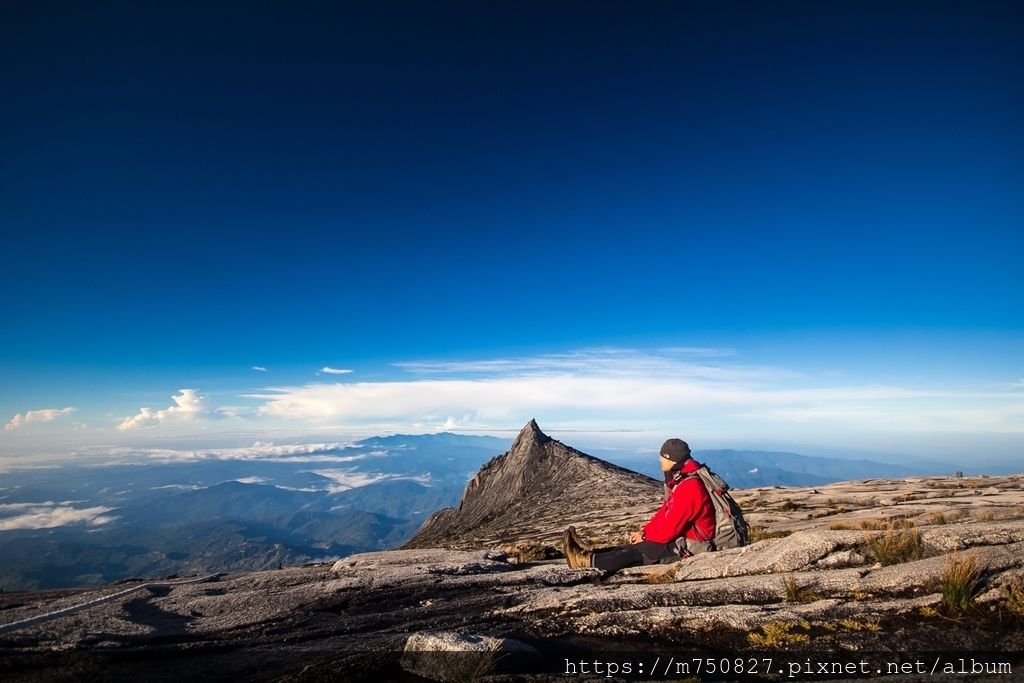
(647,552)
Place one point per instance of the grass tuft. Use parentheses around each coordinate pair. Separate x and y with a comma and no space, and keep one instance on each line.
(776,634)
(794,592)
(960,583)
(854,625)
(760,533)
(896,546)
(875,524)
(666,576)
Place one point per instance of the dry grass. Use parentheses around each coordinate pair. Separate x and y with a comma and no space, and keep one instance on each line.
(896,546)
(790,505)
(987,516)
(665,576)
(937,518)
(776,634)
(839,526)
(760,533)
(874,524)
(794,592)
(854,625)
(960,583)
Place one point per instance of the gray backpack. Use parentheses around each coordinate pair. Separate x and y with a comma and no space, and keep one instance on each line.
(731,530)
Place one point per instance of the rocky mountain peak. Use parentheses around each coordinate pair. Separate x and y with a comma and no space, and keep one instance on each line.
(529,438)
(533,490)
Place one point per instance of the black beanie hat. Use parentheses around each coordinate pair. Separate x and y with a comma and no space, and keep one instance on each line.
(675,450)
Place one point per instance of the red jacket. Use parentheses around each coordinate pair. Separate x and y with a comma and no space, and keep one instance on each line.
(688,511)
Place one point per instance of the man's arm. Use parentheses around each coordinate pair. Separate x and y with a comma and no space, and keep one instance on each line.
(672,517)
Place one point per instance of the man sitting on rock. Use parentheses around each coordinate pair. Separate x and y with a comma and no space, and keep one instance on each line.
(684,525)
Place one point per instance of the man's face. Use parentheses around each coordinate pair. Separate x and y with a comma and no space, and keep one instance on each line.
(666,464)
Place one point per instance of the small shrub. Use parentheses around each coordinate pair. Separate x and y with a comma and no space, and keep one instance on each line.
(937,518)
(839,526)
(794,592)
(985,516)
(928,612)
(960,583)
(789,505)
(896,546)
(776,634)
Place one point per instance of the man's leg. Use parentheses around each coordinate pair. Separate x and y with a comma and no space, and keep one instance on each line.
(647,552)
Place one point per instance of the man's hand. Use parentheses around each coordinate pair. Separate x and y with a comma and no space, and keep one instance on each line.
(636,537)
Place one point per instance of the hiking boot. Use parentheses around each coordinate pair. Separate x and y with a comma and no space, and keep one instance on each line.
(576,554)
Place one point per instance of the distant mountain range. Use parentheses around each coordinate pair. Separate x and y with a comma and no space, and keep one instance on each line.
(161,512)
(750,469)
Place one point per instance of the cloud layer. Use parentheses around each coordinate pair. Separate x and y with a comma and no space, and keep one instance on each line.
(704,392)
(695,389)
(49,515)
(333,452)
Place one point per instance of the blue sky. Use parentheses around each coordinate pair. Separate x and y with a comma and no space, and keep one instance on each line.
(794,224)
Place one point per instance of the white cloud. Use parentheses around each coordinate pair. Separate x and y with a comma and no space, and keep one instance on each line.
(267,452)
(328,370)
(44,415)
(49,515)
(345,480)
(188,405)
(259,368)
